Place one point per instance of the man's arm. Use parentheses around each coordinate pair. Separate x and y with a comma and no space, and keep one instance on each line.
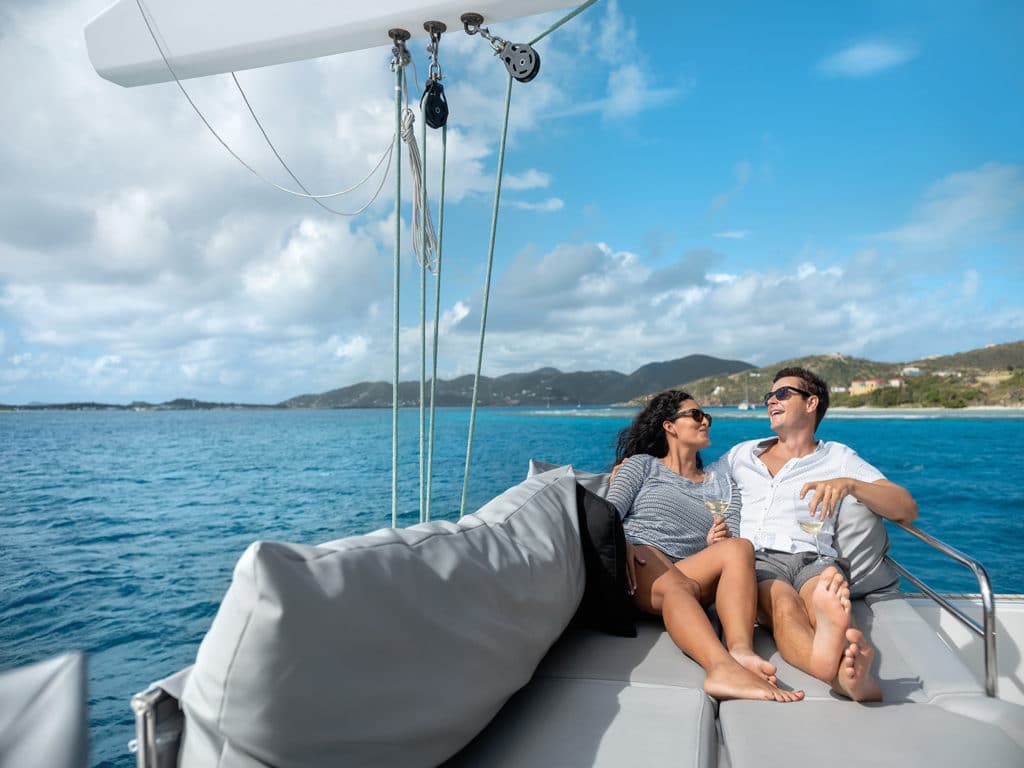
(888,500)
(883,497)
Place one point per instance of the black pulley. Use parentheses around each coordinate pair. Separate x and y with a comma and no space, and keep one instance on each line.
(434,104)
(521,61)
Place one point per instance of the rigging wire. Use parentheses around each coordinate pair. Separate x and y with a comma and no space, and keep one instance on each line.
(437,312)
(388,152)
(487,296)
(398,65)
(490,256)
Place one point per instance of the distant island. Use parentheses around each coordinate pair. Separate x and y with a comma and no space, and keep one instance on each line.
(990,376)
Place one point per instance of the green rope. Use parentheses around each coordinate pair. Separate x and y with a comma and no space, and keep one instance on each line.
(437,312)
(562,21)
(399,72)
(490,256)
(487,295)
(423,304)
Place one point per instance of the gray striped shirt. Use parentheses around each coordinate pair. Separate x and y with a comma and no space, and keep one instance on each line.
(664,509)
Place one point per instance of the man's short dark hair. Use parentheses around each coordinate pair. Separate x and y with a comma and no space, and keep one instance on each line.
(813,383)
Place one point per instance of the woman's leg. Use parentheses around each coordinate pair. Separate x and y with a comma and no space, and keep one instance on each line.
(665,591)
(725,575)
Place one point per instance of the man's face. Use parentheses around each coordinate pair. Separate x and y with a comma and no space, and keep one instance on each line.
(790,408)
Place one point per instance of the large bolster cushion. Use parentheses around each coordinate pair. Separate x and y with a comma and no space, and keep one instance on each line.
(392,648)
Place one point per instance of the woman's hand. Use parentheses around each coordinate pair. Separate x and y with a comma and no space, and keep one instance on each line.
(632,559)
(719,530)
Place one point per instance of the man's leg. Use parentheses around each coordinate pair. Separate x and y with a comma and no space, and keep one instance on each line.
(826,599)
(855,678)
(809,627)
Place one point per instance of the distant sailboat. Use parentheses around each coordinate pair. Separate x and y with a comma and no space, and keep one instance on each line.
(746,405)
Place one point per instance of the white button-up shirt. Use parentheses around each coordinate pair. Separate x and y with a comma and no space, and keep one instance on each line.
(771,505)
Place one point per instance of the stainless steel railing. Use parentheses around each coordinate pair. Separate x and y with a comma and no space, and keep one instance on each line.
(987,629)
(158,726)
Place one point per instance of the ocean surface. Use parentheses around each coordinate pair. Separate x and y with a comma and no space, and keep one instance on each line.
(119,530)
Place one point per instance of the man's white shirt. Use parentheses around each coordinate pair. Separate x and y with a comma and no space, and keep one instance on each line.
(771,505)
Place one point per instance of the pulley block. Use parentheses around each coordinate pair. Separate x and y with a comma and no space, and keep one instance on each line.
(434,104)
(521,60)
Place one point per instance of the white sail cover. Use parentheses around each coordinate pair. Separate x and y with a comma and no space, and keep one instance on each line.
(206,37)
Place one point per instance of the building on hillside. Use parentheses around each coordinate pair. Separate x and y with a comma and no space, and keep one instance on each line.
(837,390)
(860,387)
(910,370)
(957,374)
(896,382)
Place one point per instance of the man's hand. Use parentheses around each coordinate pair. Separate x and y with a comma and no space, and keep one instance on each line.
(826,495)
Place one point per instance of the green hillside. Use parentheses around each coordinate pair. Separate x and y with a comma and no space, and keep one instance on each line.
(993,375)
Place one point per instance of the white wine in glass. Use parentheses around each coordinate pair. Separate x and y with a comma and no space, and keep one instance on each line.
(811,525)
(717,492)
(716,508)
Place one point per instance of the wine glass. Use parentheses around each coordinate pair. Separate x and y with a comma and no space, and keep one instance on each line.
(717,492)
(813,525)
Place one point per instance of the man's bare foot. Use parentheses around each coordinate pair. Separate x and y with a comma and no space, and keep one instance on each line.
(729,680)
(831,603)
(754,663)
(854,678)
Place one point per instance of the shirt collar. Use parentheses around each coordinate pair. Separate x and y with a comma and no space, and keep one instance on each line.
(768,442)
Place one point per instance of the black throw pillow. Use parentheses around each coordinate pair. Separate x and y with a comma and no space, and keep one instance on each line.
(606,605)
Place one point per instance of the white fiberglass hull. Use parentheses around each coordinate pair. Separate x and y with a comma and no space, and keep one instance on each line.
(205,38)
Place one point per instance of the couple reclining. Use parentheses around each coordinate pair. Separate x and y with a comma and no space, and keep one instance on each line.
(755,561)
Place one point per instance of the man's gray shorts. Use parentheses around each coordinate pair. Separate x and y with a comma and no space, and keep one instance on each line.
(796,568)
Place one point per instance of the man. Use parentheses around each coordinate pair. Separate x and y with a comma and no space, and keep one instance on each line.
(794,477)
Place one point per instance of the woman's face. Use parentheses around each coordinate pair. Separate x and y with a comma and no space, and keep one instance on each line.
(687,429)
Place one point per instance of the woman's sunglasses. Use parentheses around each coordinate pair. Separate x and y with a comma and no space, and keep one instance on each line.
(694,413)
(784,393)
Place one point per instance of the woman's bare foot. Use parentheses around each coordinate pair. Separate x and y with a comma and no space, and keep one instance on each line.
(855,679)
(754,663)
(831,603)
(728,680)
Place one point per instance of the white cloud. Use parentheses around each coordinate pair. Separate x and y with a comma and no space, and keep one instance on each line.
(736,234)
(871,57)
(546,206)
(967,204)
(531,179)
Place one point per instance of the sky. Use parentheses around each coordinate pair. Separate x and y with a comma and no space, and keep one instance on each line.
(745,180)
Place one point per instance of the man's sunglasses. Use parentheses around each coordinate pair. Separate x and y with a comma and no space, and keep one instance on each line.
(784,393)
(694,413)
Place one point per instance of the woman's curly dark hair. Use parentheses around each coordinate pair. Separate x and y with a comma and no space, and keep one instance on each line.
(645,434)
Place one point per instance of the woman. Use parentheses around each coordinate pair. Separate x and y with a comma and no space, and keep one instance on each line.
(679,560)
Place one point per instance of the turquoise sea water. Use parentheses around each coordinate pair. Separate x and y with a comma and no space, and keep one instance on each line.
(120,529)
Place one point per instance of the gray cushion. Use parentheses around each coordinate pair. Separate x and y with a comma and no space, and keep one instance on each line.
(651,658)
(595,482)
(911,661)
(841,734)
(861,538)
(393,648)
(577,723)
(43,714)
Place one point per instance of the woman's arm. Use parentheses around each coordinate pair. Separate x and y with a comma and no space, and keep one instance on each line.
(626,484)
